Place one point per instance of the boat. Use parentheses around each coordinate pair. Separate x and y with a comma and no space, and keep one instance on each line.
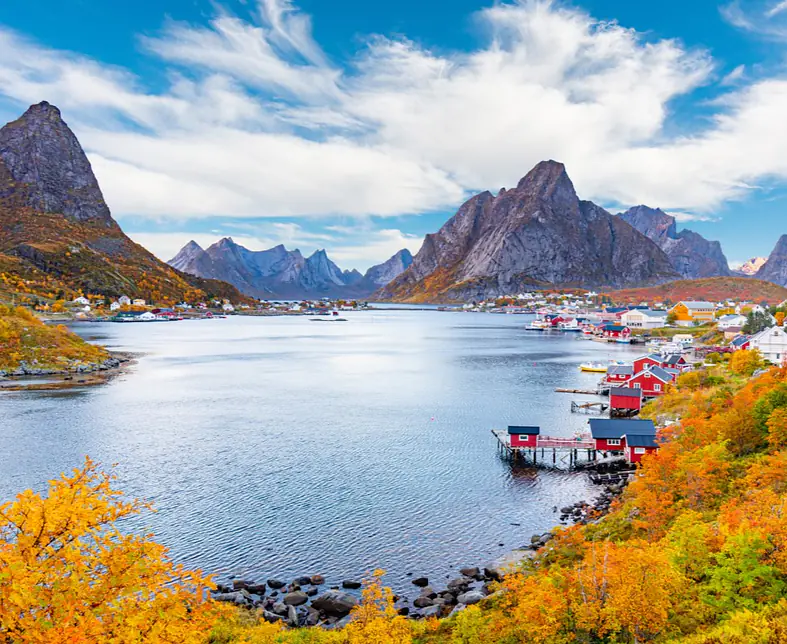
(593,367)
(623,340)
(538,325)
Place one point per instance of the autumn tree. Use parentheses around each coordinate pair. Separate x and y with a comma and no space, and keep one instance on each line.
(67,573)
(746,362)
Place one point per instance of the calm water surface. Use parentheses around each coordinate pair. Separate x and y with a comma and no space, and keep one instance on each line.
(281,446)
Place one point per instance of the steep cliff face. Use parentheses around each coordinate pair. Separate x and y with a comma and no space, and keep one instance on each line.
(41,152)
(690,253)
(389,270)
(775,269)
(56,231)
(537,234)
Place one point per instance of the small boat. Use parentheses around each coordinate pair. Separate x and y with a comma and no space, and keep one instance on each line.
(593,367)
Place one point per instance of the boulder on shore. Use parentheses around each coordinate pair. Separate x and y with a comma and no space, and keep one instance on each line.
(335,603)
(296,598)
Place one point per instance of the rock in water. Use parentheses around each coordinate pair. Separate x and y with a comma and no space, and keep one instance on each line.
(691,254)
(335,603)
(535,235)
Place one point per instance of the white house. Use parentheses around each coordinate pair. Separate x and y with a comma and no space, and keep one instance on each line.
(124,300)
(771,343)
(139,302)
(81,300)
(730,320)
(147,316)
(114,306)
(644,319)
(228,307)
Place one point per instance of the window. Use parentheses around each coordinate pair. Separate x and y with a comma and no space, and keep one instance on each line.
(657,387)
(613,441)
(639,450)
(636,385)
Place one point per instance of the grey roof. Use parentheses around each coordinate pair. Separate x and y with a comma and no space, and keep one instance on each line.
(629,392)
(641,440)
(660,373)
(621,369)
(516,429)
(617,428)
(673,359)
(699,305)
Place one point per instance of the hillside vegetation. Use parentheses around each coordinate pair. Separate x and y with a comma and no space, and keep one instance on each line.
(714,289)
(694,551)
(25,338)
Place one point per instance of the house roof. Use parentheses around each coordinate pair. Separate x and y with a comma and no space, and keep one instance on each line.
(653,356)
(620,369)
(613,327)
(641,440)
(673,359)
(660,373)
(650,313)
(698,305)
(628,392)
(617,428)
(516,429)
(730,316)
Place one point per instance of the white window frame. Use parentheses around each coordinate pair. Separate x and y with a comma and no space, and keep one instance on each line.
(613,441)
(640,450)
(657,387)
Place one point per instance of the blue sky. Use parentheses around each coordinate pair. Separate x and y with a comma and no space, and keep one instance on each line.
(359,127)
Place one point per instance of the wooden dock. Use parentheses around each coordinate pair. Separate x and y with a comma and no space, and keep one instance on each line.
(567,451)
(588,407)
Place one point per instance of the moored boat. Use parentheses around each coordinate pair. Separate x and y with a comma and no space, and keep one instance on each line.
(593,367)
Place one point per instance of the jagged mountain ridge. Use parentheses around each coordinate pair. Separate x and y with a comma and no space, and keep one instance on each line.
(775,268)
(751,267)
(280,273)
(56,230)
(538,234)
(691,254)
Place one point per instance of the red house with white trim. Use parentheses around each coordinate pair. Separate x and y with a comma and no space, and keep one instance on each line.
(609,434)
(615,331)
(624,401)
(653,381)
(637,445)
(646,362)
(618,374)
(523,436)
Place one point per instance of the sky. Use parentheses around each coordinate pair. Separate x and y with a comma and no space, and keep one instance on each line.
(361,126)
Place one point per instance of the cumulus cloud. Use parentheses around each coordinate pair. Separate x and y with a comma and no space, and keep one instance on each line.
(259,122)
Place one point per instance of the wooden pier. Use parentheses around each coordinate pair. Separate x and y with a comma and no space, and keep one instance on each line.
(588,407)
(566,451)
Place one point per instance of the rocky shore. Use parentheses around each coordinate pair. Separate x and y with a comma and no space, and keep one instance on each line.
(305,602)
(26,375)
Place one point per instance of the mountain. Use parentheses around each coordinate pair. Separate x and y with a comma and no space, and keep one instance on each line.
(775,268)
(538,234)
(752,266)
(56,230)
(691,254)
(280,273)
(389,270)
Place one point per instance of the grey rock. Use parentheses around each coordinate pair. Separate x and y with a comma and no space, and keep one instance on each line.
(422,601)
(317,580)
(432,611)
(460,583)
(471,597)
(350,584)
(302,581)
(232,598)
(775,269)
(420,581)
(428,591)
(271,617)
(296,598)
(292,616)
(335,603)
(470,571)
(280,608)
(275,584)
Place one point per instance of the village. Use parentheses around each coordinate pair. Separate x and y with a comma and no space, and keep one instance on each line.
(98,308)
(687,336)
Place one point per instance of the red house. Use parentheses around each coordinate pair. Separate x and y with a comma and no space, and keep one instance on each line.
(615,331)
(619,373)
(676,361)
(609,434)
(637,445)
(624,401)
(652,382)
(523,436)
(646,362)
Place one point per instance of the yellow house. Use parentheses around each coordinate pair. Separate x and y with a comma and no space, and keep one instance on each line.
(688,313)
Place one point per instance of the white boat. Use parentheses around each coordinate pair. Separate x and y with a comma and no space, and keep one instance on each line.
(538,325)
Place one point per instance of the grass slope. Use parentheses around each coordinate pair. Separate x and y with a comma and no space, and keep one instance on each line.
(713,289)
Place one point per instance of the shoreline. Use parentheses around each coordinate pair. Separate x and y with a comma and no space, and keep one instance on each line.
(42,379)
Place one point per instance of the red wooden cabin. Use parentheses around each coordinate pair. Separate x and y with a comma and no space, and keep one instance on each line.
(646,362)
(523,436)
(637,445)
(615,331)
(653,382)
(609,434)
(625,400)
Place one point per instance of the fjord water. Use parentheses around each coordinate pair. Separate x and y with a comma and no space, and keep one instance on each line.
(282,446)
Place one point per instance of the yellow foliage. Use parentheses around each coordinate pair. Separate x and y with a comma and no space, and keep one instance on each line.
(69,575)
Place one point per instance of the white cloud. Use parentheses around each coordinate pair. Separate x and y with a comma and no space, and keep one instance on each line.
(763,17)
(776,9)
(259,122)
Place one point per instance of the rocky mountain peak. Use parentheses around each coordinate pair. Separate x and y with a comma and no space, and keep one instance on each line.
(775,269)
(751,266)
(384,273)
(41,152)
(652,222)
(549,181)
